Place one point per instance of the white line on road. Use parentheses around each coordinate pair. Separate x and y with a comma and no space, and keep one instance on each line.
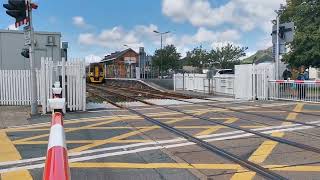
(161,145)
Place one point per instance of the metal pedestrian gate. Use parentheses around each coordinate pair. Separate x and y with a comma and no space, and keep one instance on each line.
(72,77)
(15,89)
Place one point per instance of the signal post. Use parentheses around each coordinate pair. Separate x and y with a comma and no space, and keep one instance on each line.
(21,10)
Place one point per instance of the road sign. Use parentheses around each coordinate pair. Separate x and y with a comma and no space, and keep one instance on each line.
(27,35)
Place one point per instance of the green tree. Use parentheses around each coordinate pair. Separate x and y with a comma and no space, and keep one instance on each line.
(167,58)
(305,48)
(226,57)
(198,57)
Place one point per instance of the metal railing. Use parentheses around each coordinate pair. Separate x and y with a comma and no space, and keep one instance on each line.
(223,84)
(308,91)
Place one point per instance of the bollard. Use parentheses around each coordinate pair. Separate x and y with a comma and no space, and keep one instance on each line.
(56,165)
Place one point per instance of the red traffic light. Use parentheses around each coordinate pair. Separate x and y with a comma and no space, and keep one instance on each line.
(34,6)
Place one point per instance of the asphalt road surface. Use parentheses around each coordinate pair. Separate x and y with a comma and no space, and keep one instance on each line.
(115,144)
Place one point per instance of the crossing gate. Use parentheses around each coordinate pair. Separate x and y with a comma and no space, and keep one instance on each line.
(72,77)
(15,89)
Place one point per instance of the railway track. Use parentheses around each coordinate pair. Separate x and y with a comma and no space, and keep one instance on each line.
(211,148)
(281,140)
(174,96)
(156,94)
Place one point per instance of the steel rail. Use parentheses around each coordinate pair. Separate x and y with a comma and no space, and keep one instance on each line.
(211,100)
(243,162)
(239,111)
(277,139)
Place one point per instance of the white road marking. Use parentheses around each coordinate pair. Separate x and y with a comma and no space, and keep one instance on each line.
(218,137)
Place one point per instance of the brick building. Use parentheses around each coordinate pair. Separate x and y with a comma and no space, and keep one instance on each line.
(121,64)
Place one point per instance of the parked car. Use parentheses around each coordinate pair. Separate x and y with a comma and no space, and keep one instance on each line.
(224,71)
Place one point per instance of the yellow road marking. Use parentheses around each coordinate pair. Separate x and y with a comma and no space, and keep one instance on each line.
(122,136)
(8,152)
(189,166)
(75,129)
(154,165)
(266,148)
(85,141)
(216,128)
(109,140)
(104,118)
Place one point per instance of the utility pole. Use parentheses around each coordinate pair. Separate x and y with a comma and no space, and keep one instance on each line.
(34,98)
(277,48)
(161,34)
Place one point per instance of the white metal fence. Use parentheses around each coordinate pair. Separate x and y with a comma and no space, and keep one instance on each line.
(251,81)
(223,84)
(308,91)
(15,89)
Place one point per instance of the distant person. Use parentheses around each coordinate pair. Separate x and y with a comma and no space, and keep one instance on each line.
(287,75)
(303,76)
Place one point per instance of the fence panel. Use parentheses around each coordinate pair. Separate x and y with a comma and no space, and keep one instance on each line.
(223,84)
(307,91)
(15,89)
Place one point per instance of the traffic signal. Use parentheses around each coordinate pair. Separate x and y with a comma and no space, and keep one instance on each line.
(25,53)
(18,9)
(282,31)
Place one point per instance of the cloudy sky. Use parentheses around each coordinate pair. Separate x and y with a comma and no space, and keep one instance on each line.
(95,28)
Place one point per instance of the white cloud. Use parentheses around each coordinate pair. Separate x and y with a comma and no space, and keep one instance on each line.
(116,37)
(12,27)
(243,14)
(204,37)
(79,21)
(92,58)
(113,39)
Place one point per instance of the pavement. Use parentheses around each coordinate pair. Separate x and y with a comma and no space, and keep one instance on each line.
(13,116)
(110,143)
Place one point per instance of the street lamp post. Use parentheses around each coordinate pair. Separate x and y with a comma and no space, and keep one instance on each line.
(161,34)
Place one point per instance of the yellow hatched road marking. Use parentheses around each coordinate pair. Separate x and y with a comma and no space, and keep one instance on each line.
(85,141)
(122,136)
(213,129)
(238,168)
(8,152)
(266,148)
(109,140)
(75,129)
(155,165)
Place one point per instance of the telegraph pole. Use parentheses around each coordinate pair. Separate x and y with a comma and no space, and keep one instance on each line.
(161,34)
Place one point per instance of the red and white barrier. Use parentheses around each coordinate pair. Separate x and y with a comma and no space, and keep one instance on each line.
(295,81)
(56,166)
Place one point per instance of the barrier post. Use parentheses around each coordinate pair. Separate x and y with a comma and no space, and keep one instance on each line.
(56,165)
